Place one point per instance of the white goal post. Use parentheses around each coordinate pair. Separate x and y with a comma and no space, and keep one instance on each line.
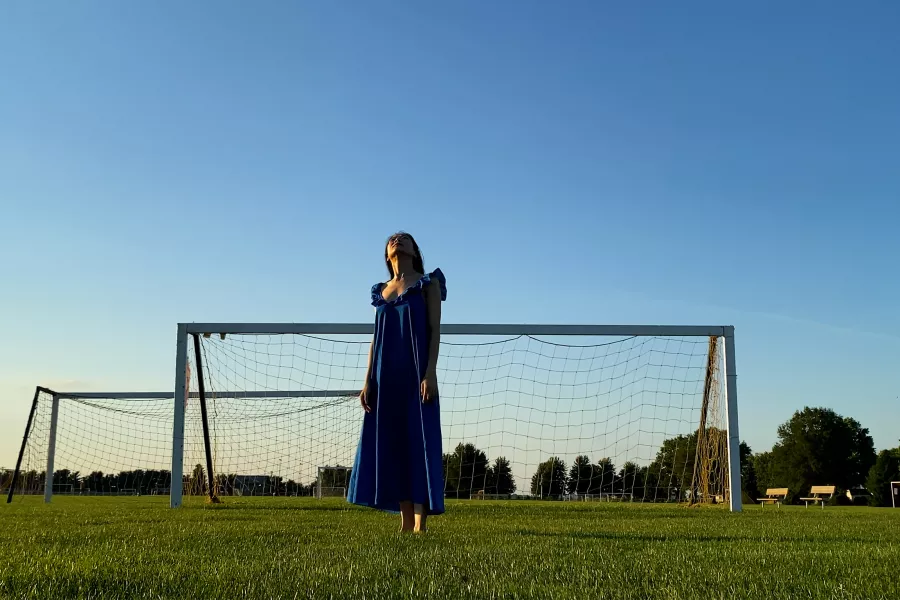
(321,491)
(261,362)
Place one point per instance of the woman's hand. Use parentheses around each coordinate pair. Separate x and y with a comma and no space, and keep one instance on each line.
(429,388)
(364,398)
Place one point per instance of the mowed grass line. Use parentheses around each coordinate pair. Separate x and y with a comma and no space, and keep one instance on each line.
(304,548)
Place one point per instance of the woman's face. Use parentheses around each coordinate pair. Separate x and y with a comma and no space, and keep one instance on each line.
(400,244)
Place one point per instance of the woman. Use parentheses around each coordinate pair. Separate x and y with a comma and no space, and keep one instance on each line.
(398,460)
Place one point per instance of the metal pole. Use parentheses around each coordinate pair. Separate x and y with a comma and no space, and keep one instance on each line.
(15,477)
(175,489)
(198,362)
(734,438)
(51,451)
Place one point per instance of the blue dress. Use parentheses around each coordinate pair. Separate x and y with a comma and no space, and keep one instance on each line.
(399,453)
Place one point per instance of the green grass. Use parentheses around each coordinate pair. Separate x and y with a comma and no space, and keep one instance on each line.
(301,548)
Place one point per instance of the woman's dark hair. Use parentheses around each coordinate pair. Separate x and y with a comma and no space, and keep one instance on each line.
(418,264)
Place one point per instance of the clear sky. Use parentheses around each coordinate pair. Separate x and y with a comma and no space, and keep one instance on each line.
(577,162)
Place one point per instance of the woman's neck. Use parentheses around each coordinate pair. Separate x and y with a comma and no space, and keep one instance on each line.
(403,266)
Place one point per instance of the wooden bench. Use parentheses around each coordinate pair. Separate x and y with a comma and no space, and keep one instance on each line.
(819,493)
(774,495)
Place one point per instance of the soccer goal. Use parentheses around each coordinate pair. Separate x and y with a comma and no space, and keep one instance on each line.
(549,412)
(94,444)
(632,413)
(332,482)
(121,444)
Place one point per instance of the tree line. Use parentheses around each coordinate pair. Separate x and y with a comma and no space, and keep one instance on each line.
(816,446)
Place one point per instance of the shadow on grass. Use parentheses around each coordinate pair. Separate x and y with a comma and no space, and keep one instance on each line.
(261,508)
(656,537)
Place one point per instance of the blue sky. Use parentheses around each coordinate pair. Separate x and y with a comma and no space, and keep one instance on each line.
(597,162)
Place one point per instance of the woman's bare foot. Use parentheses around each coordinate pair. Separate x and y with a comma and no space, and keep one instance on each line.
(421,516)
(407,517)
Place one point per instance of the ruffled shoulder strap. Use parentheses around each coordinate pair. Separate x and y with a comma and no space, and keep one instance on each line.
(377,297)
(438,276)
(424,281)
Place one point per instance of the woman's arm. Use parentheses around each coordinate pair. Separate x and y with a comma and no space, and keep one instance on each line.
(369,367)
(364,394)
(433,304)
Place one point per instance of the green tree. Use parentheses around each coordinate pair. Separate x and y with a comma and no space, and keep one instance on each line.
(465,471)
(499,478)
(335,478)
(631,479)
(65,477)
(763,468)
(603,477)
(749,483)
(580,476)
(549,480)
(885,470)
(671,473)
(198,480)
(6,476)
(817,446)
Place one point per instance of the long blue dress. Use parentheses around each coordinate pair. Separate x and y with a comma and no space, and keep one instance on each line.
(399,453)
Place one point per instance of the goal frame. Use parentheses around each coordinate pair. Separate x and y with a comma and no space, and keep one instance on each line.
(55,398)
(189,330)
(319,471)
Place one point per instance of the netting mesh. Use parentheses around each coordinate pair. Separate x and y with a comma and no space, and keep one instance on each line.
(571,418)
(559,418)
(103,446)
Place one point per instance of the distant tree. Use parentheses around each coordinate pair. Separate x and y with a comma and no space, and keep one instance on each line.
(549,480)
(6,476)
(499,478)
(335,478)
(749,483)
(580,476)
(764,469)
(65,477)
(31,482)
(885,470)
(603,477)
(93,482)
(275,485)
(198,480)
(671,473)
(465,471)
(673,467)
(631,479)
(817,446)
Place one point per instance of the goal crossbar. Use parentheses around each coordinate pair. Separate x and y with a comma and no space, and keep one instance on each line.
(464,329)
(249,395)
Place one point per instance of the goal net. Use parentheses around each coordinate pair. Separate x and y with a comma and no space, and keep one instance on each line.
(627,414)
(95,444)
(541,412)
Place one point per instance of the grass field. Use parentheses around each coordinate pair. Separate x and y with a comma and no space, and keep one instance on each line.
(303,548)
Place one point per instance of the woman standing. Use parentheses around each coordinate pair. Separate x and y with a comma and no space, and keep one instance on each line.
(398,461)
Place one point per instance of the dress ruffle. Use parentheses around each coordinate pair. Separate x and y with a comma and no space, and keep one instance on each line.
(421,284)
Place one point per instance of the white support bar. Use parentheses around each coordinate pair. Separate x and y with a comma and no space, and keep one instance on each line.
(734,437)
(461,329)
(248,395)
(51,451)
(180,399)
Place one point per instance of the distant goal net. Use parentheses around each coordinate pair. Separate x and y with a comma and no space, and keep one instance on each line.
(578,413)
